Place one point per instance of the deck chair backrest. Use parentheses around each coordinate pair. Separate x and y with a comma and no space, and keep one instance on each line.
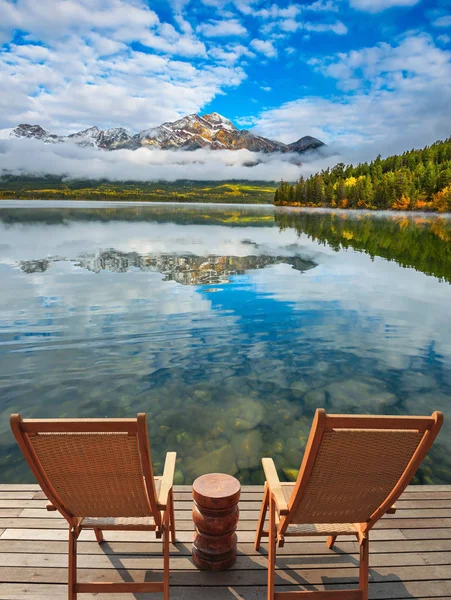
(91,467)
(355,467)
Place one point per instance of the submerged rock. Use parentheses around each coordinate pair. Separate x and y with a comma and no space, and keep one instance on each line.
(315,399)
(244,413)
(299,388)
(414,381)
(360,395)
(248,449)
(291,474)
(221,460)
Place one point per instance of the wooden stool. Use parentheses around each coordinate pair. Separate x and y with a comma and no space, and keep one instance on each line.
(215,515)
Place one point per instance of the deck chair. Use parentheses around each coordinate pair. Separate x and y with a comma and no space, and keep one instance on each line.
(354,469)
(98,474)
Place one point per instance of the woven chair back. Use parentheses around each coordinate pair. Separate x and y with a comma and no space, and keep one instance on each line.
(91,467)
(356,466)
(94,474)
(353,473)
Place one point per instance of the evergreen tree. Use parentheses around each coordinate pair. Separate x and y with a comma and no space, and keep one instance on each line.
(414,179)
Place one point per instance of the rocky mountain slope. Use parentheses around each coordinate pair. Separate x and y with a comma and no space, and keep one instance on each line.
(211,131)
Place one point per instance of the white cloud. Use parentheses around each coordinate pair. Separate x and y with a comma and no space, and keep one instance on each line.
(231,53)
(78,81)
(275,11)
(225,28)
(31,156)
(337,27)
(290,25)
(323,6)
(401,98)
(375,6)
(77,67)
(266,47)
(444,21)
(55,19)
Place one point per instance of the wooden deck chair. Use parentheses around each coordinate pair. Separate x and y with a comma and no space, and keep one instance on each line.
(354,469)
(98,474)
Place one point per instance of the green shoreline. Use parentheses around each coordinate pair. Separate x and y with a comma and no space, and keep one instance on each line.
(56,188)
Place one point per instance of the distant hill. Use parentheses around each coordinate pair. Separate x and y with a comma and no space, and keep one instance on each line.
(415,180)
(212,131)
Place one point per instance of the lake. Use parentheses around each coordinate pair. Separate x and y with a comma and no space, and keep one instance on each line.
(227,325)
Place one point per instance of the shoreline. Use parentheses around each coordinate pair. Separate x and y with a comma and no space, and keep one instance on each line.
(81,203)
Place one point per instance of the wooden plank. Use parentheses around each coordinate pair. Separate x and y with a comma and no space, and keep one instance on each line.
(257,496)
(227,578)
(391,591)
(18,495)
(15,503)
(185,513)
(426,494)
(10,512)
(422,504)
(430,488)
(187,536)
(243,525)
(243,562)
(254,496)
(187,505)
(19,487)
(430,513)
(244,488)
(306,547)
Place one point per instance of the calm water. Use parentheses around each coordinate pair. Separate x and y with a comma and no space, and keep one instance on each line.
(228,325)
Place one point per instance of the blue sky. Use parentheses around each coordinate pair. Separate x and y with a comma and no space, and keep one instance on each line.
(369,75)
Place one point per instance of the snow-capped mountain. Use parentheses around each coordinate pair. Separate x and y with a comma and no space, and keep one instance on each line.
(211,131)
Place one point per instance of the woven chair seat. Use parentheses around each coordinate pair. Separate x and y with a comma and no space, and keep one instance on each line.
(120,522)
(321,529)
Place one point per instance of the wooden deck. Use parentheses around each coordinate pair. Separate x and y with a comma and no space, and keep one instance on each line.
(410,553)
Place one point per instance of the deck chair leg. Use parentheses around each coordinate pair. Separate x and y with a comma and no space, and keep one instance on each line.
(72,575)
(271,547)
(364,567)
(331,541)
(99,535)
(166,556)
(261,522)
(172,516)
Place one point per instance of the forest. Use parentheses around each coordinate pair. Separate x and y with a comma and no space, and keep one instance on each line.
(415,180)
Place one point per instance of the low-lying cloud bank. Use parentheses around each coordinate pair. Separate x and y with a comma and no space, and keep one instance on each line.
(31,157)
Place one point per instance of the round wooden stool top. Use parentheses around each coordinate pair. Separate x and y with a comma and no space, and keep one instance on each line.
(216,491)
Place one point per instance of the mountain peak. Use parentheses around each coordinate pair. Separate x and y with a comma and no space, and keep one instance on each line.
(26,130)
(212,131)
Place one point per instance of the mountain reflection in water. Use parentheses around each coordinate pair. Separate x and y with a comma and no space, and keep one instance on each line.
(227,325)
(186,270)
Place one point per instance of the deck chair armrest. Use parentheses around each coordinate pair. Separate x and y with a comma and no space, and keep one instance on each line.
(167,479)
(272,479)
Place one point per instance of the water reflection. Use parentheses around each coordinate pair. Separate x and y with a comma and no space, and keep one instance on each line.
(419,241)
(186,270)
(227,333)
